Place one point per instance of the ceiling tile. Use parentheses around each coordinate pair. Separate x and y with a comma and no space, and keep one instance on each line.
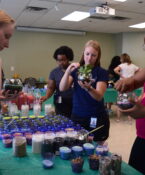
(59,8)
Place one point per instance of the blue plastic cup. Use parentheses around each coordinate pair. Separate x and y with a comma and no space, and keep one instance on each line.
(65,152)
(99,150)
(48,162)
(89,148)
(77,151)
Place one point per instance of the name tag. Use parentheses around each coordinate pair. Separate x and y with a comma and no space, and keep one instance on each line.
(59,99)
(93,122)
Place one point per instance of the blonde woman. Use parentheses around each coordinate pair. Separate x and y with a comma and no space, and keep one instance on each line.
(7,25)
(126,69)
(88,105)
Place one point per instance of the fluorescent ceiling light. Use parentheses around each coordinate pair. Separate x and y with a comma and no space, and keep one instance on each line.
(120,0)
(76,16)
(139,26)
(48,30)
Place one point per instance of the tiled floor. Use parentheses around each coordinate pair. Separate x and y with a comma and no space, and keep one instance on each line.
(122,135)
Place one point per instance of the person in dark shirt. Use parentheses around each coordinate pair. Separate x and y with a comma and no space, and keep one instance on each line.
(114,63)
(62,100)
(88,104)
(113,77)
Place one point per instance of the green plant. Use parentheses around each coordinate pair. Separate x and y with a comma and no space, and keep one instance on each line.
(84,73)
(86,69)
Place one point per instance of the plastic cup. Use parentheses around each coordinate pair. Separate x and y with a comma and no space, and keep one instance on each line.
(77,151)
(48,162)
(89,148)
(65,152)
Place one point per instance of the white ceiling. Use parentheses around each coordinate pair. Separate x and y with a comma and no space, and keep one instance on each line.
(134,10)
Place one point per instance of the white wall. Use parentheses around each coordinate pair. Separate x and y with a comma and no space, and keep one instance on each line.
(132,44)
(118,43)
(31,53)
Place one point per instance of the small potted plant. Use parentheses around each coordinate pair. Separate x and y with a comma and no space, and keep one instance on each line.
(84,73)
(13,85)
(123,100)
(94,162)
(77,165)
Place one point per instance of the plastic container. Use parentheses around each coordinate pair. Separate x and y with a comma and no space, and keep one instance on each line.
(89,148)
(77,165)
(71,134)
(48,162)
(100,150)
(7,143)
(61,134)
(24,110)
(13,109)
(94,162)
(105,164)
(48,109)
(36,109)
(13,85)
(28,136)
(123,100)
(19,146)
(49,135)
(70,141)
(105,149)
(17,134)
(6,136)
(77,151)
(65,152)
(46,147)
(37,140)
(58,142)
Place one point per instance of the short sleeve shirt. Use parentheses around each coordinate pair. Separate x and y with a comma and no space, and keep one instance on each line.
(128,70)
(56,75)
(83,104)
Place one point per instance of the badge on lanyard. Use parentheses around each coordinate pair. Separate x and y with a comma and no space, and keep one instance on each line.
(59,99)
(93,122)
